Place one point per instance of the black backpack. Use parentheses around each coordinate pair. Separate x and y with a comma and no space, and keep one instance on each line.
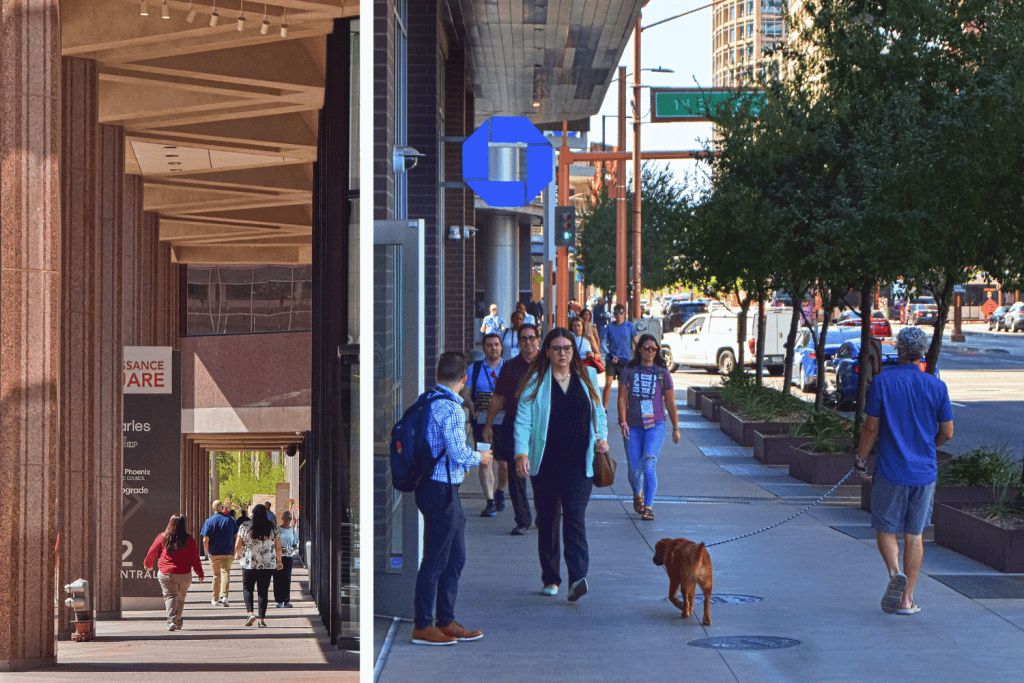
(411,458)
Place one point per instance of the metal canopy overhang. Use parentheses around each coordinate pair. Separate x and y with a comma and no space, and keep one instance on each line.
(560,54)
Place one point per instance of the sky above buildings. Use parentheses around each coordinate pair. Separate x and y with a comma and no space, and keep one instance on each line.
(683,45)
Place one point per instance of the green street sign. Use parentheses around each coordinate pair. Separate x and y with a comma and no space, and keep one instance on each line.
(694,104)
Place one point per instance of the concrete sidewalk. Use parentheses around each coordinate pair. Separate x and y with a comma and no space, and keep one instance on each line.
(214,644)
(817,580)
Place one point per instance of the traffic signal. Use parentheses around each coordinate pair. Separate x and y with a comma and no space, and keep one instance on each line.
(565,226)
(79,600)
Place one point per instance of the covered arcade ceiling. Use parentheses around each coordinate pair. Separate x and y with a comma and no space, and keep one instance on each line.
(548,60)
(221,122)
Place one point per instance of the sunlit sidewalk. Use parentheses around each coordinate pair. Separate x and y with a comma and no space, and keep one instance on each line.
(214,644)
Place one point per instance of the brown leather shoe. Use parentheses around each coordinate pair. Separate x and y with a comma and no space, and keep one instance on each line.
(457,631)
(432,635)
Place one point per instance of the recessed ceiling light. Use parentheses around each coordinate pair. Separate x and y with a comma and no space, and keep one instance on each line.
(171,155)
(170,147)
(174,163)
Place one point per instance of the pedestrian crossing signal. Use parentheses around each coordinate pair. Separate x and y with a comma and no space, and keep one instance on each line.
(565,226)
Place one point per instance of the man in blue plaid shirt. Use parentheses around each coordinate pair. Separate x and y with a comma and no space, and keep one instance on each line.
(444,523)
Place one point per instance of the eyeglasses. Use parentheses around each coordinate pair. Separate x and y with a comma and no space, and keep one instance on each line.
(620,313)
(649,347)
(532,339)
(561,349)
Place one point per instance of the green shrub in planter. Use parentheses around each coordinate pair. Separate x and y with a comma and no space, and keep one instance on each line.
(981,467)
(758,402)
(829,432)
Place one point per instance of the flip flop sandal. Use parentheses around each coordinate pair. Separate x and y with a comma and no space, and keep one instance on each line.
(648,516)
(894,593)
(913,609)
(638,503)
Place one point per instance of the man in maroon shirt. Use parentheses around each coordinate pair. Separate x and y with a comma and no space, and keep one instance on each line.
(500,436)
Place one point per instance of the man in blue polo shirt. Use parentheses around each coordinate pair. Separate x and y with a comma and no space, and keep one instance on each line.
(619,336)
(219,542)
(909,412)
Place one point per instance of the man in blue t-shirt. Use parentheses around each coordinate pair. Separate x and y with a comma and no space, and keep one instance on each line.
(619,336)
(908,411)
(219,542)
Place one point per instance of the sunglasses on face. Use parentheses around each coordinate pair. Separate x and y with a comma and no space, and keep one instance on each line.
(532,339)
(649,347)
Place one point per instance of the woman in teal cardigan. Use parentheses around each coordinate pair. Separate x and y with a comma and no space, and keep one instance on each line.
(559,424)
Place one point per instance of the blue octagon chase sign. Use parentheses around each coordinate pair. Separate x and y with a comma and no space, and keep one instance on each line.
(507,130)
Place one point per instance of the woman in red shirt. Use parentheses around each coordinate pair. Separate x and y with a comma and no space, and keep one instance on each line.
(176,555)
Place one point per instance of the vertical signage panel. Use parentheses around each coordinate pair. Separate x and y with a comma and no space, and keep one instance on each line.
(152,465)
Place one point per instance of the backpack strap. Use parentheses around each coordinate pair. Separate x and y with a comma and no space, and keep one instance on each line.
(477,366)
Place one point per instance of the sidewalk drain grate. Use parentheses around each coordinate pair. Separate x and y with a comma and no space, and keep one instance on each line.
(745,643)
(725,599)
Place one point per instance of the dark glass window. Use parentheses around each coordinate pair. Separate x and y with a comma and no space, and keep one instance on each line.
(241,299)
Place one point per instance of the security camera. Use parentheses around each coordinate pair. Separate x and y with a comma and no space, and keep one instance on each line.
(405,158)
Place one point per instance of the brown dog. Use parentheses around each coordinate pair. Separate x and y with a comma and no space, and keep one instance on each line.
(688,565)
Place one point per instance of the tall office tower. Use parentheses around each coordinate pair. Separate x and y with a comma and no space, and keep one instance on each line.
(742,31)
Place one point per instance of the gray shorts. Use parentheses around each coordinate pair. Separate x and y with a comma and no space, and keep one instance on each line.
(897,509)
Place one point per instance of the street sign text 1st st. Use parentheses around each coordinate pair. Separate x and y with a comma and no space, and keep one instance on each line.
(694,104)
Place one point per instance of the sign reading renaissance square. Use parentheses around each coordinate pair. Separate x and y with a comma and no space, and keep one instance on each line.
(695,104)
(152,462)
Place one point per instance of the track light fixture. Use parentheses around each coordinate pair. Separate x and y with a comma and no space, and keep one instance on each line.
(284,24)
(166,11)
(143,8)
(241,15)
(265,26)
(214,18)
(191,16)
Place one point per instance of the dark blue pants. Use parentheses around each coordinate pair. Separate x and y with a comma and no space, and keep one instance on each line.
(562,495)
(444,552)
(504,444)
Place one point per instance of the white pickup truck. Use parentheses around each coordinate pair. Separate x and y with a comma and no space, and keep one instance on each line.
(708,340)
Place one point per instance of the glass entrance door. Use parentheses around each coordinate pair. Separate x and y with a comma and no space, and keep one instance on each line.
(398,378)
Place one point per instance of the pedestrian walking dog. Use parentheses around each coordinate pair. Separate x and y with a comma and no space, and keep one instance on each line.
(688,565)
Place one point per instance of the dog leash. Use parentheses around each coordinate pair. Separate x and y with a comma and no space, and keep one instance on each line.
(752,533)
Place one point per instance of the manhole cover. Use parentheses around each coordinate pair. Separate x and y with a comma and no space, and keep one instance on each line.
(725,599)
(745,643)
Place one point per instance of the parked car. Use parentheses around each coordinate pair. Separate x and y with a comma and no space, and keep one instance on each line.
(995,321)
(879,325)
(1013,321)
(708,340)
(920,311)
(805,366)
(846,369)
(681,311)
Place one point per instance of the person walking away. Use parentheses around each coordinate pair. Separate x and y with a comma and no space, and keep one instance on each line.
(444,523)
(646,394)
(481,380)
(619,336)
(258,550)
(909,412)
(270,513)
(244,516)
(600,319)
(494,323)
(510,337)
(558,426)
(175,555)
(289,550)
(501,434)
(218,536)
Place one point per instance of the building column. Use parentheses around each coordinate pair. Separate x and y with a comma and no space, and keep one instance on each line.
(498,262)
(30,324)
(91,346)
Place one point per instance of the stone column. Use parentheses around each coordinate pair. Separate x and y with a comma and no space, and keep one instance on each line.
(91,345)
(30,323)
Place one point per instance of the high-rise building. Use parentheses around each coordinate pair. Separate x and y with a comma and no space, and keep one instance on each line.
(742,30)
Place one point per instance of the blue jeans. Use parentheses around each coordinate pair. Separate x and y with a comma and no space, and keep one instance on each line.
(444,552)
(642,448)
